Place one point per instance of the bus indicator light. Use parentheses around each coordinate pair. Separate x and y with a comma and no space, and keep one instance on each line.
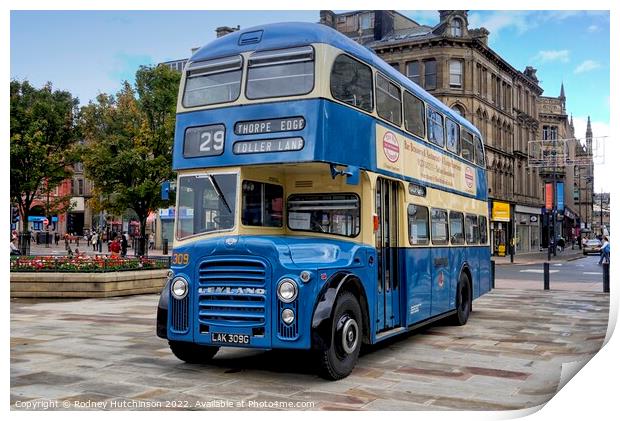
(375,222)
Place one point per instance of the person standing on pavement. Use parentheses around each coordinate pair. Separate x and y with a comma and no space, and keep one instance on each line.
(94,240)
(123,245)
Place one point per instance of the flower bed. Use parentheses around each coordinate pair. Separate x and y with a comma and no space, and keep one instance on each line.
(85,263)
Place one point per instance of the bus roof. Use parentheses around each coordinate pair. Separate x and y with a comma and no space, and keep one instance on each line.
(291,34)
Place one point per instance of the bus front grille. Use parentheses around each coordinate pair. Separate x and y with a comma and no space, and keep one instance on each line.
(179,317)
(232,292)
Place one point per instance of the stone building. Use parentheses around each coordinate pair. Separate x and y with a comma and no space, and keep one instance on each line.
(455,63)
(584,182)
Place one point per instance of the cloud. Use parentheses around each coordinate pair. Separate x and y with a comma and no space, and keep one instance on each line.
(499,21)
(593,28)
(587,66)
(552,55)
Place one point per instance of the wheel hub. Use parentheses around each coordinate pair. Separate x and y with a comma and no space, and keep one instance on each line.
(350,336)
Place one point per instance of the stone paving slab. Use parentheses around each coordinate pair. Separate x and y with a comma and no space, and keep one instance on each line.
(103,354)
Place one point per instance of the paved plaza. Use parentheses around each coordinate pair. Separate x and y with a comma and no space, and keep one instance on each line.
(103,354)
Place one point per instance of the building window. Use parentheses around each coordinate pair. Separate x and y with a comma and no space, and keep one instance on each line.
(80,191)
(456,73)
(395,66)
(550,132)
(459,110)
(366,21)
(430,74)
(456,28)
(413,71)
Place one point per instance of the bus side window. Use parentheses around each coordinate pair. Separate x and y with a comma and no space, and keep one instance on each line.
(351,82)
(414,114)
(467,146)
(262,204)
(479,152)
(456,228)
(435,127)
(452,135)
(418,224)
(439,226)
(388,100)
(483,229)
(472,230)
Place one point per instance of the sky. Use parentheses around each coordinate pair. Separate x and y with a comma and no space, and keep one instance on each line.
(93,51)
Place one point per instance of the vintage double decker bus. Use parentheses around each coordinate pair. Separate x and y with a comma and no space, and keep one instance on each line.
(324,201)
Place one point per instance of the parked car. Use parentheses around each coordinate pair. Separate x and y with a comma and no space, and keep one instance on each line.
(592,246)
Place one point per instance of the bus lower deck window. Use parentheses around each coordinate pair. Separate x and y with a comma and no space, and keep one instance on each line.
(261,204)
(337,214)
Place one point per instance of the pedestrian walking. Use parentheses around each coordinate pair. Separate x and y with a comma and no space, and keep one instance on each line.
(151,241)
(56,238)
(604,251)
(115,246)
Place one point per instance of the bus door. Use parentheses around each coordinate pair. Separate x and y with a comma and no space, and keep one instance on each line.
(386,237)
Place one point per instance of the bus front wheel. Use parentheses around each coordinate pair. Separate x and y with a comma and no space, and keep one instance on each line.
(463,300)
(192,353)
(338,360)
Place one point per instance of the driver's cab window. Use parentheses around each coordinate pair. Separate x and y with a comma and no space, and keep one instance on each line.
(261,204)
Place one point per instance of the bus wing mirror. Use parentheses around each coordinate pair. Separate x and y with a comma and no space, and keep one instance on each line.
(352,173)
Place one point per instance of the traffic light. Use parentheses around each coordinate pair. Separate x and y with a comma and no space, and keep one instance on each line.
(14,214)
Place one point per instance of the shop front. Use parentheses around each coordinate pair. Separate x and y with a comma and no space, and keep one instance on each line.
(527,233)
(500,228)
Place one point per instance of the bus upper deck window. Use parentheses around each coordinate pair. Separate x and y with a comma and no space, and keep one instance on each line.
(479,152)
(467,146)
(213,81)
(278,73)
(414,114)
(435,127)
(351,82)
(388,100)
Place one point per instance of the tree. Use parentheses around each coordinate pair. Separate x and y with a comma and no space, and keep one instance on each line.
(43,143)
(128,143)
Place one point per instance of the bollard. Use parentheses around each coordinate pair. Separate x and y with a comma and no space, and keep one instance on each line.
(492,274)
(546,276)
(606,277)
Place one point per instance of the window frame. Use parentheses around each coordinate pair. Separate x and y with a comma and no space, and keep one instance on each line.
(409,76)
(473,151)
(424,128)
(400,98)
(263,197)
(454,28)
(430,109)
(372,82)
(460,74)
(359,209)
(476,240)
(426,62)
(456,151)
(248,67)
(461,217)
(188,76)
(428,239)
(447,225)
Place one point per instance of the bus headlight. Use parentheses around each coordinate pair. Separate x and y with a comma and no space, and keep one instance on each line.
(287,290)
(288,316)
(179,288)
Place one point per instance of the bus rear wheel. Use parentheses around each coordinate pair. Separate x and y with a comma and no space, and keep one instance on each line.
(337,361)
(192,353)
(463,300)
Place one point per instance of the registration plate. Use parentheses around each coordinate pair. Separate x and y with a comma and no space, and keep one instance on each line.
(230,338)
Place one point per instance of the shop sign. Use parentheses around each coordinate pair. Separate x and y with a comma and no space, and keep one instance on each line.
(500,211)
(548,196)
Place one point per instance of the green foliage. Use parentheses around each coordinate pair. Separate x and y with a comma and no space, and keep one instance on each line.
(43,139)
(128,142)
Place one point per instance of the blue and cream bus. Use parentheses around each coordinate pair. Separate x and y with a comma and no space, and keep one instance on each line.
(324,201)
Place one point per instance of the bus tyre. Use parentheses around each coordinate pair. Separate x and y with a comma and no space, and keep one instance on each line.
(192,353)
(337,361)
(463,300)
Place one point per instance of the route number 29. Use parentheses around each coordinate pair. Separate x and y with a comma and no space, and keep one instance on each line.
(212,141)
